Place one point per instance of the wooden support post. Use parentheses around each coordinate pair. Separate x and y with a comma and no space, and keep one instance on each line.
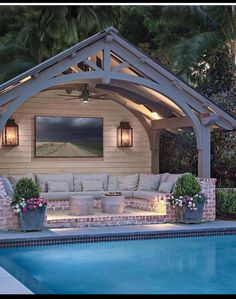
(155,145)
(204,153)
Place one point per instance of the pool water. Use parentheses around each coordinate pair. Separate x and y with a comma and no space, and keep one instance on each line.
(200,265)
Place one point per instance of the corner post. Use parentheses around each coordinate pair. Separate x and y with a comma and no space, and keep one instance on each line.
(155,147)
(204,153)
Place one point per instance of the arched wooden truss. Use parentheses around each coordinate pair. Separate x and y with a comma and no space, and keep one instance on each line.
(110,63)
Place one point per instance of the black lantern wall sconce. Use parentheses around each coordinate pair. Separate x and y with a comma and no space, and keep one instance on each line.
(124,135)
(10,134)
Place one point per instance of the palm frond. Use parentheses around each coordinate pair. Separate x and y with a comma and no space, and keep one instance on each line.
(189,51)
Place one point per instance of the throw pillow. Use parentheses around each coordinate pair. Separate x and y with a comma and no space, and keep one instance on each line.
(164,177)
(149,182)
(112,182)
(89,185)
(78,177)
(7,185)
(58,186)
(3,193)
(166,187)
(77,182)
(15,178)
(172,177)
(127,183)
(42,180)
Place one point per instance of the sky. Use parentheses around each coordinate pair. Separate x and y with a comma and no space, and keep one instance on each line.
(69,129)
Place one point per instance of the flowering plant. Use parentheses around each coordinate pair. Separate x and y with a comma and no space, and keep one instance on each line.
(190,201)
(27,196)
(187,192)
(30,204)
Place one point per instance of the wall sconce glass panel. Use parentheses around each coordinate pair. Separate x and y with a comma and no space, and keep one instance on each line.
(124,135)
(10,135)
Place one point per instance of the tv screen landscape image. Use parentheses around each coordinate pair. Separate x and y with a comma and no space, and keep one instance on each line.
(58,136)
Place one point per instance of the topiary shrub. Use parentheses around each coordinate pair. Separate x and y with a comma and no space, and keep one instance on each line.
(25,188)
(186,185)
(226,203)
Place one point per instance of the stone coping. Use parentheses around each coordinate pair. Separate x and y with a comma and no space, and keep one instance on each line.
(94,234)
(10,285)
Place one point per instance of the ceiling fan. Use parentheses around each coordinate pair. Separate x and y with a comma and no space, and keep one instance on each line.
(85,95)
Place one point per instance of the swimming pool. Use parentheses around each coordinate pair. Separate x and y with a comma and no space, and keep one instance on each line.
(197,265)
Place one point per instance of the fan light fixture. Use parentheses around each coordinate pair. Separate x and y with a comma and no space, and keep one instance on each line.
(85,96)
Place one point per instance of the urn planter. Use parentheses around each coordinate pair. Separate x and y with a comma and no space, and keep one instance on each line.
(32,220)
(186,215)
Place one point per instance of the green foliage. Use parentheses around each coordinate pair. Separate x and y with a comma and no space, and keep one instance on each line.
(186,185)
(214,75)
(178,153)
(225,203)
(25,188)
(32,34)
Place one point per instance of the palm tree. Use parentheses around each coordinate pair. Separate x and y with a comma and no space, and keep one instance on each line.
(43,31)
(211,27)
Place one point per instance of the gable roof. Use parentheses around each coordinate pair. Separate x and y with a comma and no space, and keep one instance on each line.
(200,102)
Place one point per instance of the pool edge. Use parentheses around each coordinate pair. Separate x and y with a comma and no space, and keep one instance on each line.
(114,236)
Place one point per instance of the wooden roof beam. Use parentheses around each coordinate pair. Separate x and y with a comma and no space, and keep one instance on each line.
(171,123)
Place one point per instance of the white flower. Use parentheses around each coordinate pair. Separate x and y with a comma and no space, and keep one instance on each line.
(40,205)
(18,210)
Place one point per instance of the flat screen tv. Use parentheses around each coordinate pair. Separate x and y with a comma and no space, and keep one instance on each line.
(57,136)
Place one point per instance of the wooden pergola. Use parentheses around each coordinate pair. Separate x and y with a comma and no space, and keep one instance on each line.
(109,63)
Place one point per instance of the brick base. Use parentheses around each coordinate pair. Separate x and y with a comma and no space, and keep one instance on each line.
(164,213)
(209,189)
(8,219)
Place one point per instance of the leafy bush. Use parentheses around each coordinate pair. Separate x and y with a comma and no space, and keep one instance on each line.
(225,203)
(25,188)
(186,185)
(26,196)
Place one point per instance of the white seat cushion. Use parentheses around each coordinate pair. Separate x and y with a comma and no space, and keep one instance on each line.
(172,177)
(166,187)
(3,193)
(164,177)
(149,182)
(55,195)
(127,194)
(78,177)
(15,178)
(42,179)
(127,183)
(57,186)
(145,195)
(92,185)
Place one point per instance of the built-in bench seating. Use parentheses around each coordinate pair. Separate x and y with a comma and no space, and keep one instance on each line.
(140,190)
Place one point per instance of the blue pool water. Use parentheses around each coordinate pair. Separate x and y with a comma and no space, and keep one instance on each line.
(200,265)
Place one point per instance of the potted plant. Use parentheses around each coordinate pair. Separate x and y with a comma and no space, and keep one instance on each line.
(187,200)
(28,205)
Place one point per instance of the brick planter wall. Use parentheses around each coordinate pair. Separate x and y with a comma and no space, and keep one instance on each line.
(9,221)
(209,189)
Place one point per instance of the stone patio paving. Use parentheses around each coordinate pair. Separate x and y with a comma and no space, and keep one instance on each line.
(106,230)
